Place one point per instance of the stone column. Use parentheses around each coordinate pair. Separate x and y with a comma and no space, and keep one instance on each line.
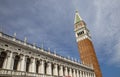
(0,33)
(83,74)
(77,75)
(33,65)
(90,75)
(94,75)
(74,74)
(80,74)
(42,67)
(9,61)
(86,74)
(70,72)
(55,70)
(66,71)
(61,70)
(49,69)
(21,67)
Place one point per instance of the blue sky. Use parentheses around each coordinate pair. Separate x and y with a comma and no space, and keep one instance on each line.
(51,22)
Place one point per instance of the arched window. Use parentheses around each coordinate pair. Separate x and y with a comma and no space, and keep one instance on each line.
(37,66)
(27,64)
(68,71)
(58,69)
(72,71)
(64,70)
(53,67)
(45,67)
(16,61)
(2,58)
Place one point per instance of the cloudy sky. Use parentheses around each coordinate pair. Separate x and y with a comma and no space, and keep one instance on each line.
(51,23)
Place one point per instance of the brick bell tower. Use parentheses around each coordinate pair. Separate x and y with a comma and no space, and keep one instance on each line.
(85,46)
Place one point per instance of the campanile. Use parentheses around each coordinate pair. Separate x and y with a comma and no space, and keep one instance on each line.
(85,46)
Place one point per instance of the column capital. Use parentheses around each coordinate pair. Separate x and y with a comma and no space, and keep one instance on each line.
(49,63)
(49,69)
(61,66)
(66,68)
(55,69)
(42,61)
(21,56)
(55,65)
(32,59)
(8,53)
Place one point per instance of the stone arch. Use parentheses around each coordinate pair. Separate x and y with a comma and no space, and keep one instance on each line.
(82,73)
(79,72)
(45,71)
(28,61)
(16,61)
(68,71)
(63,70)
(3,56)
(52,66)
(58,69)
(72,71)
(37,66)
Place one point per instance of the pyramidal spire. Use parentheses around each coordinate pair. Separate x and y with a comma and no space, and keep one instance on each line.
(77,17)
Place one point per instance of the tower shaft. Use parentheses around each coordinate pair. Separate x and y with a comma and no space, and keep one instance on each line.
(88,55)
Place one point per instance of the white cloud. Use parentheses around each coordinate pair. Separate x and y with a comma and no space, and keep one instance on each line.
(106,29)
(115,60)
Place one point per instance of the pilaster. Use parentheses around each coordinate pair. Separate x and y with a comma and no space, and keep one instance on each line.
(61,70)
(74,74)
(70,72)
(55,70)
(83,73)
(49,69)
(77,75)
(22,63)
(66,71)
(9,61)
(80,73)
(33,65)
(42,67)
